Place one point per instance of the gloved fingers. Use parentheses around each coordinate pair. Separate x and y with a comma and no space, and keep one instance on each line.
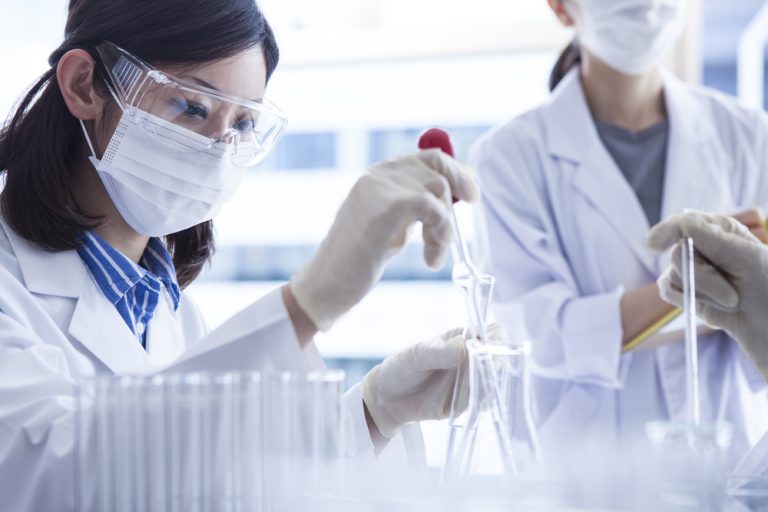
(707,230)
(448,335)
(669,291)
(754,220)
(720,239)
(760,233)
(437,234)
(734,324)
(439,186)
(750,217)
(711,285)
(459,176)
(667,233)
(496,332)
(714,317)
(438,353)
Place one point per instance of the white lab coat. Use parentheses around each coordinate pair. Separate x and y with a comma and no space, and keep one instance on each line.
(564,234)
(56,327)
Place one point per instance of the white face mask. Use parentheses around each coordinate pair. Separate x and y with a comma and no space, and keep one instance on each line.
(631,36)
(158,185)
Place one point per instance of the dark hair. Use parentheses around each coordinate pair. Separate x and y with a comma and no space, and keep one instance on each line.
(42,143)
(569,58)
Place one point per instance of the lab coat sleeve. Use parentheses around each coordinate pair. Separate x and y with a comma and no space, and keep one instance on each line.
(260,337)
(37,404)
(575,337)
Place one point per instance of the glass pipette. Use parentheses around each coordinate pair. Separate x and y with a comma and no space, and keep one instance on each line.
(691,334)
(466,275)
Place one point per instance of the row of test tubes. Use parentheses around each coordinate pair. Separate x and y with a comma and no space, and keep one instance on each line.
(209,442)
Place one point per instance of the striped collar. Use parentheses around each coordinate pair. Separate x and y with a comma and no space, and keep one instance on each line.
(116,275)
(134,290)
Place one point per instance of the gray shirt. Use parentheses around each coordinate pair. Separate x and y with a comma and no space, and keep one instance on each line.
(642,158)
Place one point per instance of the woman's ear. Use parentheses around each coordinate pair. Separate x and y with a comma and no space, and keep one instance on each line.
(75,74)
(558,7)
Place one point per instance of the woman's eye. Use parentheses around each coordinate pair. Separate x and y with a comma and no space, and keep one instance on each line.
(245,125)
(189,109)
(196,111)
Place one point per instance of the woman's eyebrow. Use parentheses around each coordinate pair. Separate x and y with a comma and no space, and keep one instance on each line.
(202,82)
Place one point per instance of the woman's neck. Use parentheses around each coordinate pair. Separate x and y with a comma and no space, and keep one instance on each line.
(94,199)
(630,102)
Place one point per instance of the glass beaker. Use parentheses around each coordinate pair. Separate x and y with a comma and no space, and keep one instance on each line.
(688,461)
(498,437)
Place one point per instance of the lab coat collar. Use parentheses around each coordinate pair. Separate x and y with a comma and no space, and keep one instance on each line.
(696,160)
(47,273)
(571,131)
(691,166)
(572,136)
(96,323)
(687,121)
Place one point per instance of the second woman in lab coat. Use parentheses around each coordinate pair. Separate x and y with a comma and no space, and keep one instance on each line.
(570,190)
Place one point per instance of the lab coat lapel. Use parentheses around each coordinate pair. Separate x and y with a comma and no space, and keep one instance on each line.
(95,324)
(572,136)
(696,157)
(98,326)
(164,343)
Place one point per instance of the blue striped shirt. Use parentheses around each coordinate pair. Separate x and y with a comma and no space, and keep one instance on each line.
(135,290)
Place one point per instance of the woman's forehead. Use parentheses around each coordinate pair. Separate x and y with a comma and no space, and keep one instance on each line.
(243,75)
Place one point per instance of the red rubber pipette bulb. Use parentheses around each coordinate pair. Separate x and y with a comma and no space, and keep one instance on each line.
(437,138)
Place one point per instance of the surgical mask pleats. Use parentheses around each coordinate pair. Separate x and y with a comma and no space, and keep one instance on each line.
(163,178)
(631,36)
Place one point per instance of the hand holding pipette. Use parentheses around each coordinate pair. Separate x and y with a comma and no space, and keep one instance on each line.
(465,273)
(477,289)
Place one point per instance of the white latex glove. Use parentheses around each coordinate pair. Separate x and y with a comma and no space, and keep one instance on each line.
(417,383)
(731,270)
(373,225)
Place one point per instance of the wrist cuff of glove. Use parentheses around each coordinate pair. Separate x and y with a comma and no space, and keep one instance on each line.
(385,422)
(310,301)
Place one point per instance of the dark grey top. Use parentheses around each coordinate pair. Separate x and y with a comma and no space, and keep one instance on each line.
(642,158)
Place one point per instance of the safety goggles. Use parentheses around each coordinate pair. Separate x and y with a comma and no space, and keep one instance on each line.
(242,129)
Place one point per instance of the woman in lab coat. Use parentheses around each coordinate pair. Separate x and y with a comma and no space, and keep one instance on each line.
(113,165)
(570,190)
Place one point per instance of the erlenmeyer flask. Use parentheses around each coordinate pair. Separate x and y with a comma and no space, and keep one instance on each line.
(497,440)
(477,298)
(484,450)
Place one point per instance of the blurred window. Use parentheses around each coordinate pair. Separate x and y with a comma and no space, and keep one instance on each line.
(385,144)
(303,151)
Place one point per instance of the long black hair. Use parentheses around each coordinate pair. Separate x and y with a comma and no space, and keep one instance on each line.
(41,144)
(569,59)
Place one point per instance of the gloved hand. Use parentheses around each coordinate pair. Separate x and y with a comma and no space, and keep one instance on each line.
(417,383)
(731,270)
(373,225)
(754,220)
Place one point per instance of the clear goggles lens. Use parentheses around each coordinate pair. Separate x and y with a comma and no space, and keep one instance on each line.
(245,130)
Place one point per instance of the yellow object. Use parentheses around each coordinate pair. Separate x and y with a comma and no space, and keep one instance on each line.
(664,320)
(651,330)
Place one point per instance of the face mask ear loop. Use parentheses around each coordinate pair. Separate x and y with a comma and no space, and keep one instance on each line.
(87,138)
